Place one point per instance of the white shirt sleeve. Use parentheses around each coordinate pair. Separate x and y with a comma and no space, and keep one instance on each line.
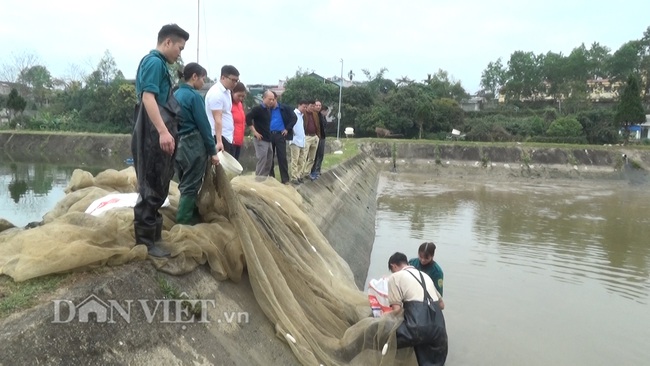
(215,102)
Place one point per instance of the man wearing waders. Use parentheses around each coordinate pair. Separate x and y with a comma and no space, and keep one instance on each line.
(154,136)
(423,327)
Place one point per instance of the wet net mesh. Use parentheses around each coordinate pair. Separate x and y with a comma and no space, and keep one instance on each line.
(303,286)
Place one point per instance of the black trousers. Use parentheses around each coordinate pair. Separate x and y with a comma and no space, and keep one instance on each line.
(236,149)
(227,146)
(318,159)
(154,170)
(279,146)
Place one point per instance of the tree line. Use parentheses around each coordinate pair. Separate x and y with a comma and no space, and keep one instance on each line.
(103,100)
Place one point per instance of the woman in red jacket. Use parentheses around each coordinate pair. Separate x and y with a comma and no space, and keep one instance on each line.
(239,117)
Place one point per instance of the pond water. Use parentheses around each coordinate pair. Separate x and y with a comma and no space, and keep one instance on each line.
(536,272)
(28,191)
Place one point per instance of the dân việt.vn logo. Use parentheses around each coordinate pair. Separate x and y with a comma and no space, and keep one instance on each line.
(182,310)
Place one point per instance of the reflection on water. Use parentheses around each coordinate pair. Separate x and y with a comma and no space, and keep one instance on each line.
(564,264)
(28,191)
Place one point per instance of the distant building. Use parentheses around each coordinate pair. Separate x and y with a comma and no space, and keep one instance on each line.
(473,104)
(645,128)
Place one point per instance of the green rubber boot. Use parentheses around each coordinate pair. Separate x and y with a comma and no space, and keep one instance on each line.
(185,213)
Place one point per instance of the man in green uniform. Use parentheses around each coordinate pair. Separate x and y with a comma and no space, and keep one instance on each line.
(154,136)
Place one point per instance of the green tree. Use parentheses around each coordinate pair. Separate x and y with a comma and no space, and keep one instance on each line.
(599,126)
(121,103)
(442,85)
(107,68)
(493,78)
(645,62)
(304,86)
(378,84)
(524,76)
(379,115)
(355,102)
(626,60)
(598,60)
(424,112)
(565,127)
(577,67)
(448,114)
(630,109)
(15,103)
(39,81)
(555,74)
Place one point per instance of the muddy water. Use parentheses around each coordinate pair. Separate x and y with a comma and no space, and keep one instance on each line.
(536,272)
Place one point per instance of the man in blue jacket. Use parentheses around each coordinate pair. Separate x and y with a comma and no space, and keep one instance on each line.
(282,121)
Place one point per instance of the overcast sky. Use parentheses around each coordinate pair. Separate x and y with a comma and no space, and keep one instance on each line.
(269,40)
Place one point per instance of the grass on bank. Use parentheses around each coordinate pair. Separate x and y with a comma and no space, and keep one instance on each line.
(350,148)
(16,296)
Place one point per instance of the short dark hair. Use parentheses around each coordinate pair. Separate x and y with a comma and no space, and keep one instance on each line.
(397,259)
(190,69)
(240,87)
(303,102)
(324,108)
(428,249)
(172,31)
(311,101)
(229,70)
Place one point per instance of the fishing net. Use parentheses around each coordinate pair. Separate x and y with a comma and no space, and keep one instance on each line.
(303,286)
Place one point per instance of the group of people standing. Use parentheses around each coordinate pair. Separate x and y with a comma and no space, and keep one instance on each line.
(179,131)
(273,124)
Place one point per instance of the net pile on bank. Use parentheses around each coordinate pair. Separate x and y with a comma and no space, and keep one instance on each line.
(303,286)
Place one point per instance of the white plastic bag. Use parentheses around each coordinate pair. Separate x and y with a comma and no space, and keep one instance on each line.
(115,200)
(378,296)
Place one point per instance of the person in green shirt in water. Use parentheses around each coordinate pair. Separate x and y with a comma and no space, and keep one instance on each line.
(195,143)
(425,263)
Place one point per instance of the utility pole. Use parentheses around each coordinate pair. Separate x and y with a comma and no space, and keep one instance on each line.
(338,117)
(198,23)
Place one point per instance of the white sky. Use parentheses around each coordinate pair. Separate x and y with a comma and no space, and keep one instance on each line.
(269,40)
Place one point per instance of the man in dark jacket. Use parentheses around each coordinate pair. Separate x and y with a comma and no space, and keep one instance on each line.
(282,121)
(259,121)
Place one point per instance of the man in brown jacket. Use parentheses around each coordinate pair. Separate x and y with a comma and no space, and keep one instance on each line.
(312,131)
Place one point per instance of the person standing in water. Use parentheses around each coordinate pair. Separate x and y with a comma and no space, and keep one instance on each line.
(425,263)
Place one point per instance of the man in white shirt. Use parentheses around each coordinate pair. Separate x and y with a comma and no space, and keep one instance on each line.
(218,107)
(297,145)
(423,327)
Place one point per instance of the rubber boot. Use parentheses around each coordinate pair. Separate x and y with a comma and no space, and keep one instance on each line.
(185,212)
(147,236)
(159,226)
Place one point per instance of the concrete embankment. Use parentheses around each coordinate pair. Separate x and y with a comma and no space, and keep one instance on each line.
(512,160)
(341,203)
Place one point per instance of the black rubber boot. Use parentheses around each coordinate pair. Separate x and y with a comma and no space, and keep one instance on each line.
(159,226)
(147,236)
